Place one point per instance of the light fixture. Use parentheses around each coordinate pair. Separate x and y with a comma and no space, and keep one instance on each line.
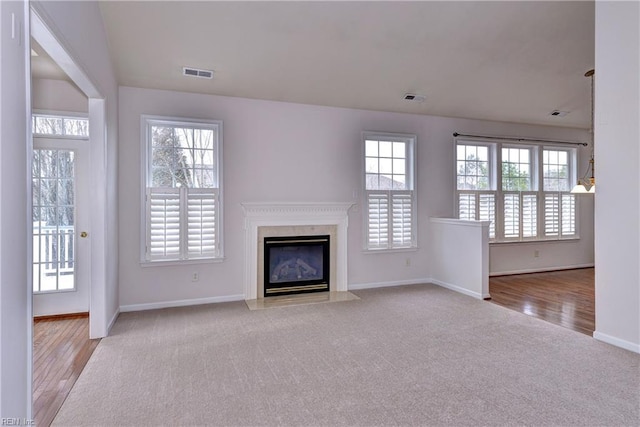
(588,185)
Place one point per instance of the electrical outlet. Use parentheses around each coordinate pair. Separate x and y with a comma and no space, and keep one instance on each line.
(195,277)
(536,253)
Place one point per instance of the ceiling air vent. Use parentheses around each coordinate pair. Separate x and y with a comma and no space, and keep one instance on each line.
(195,72)
(413,97)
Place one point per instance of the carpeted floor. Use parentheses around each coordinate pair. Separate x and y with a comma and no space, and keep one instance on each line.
(410,355)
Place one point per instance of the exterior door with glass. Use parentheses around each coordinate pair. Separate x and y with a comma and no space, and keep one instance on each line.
(60,226)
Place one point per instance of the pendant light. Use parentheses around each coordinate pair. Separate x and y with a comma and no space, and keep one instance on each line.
(588,185)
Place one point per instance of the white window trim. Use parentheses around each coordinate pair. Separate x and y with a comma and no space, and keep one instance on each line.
(412,140)
(537,184)
(145,173)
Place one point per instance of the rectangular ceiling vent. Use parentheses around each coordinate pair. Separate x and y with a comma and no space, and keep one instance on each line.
(195,72)
(414,97)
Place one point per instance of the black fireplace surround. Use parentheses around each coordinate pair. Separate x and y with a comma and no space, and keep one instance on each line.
(296,265)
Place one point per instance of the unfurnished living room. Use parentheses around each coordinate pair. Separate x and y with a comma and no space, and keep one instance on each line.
(312,213)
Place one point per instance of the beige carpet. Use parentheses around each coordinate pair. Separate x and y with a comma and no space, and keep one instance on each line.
(411,355)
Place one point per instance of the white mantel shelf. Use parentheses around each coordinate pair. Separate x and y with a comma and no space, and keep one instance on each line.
(257,214)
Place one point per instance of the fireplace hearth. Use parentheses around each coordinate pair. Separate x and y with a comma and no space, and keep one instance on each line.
(296,264)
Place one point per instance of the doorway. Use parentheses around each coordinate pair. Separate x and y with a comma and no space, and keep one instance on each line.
(69,275)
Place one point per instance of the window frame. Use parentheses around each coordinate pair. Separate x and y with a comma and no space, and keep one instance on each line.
(411,183)
(146,170)
(64,115)
(536,172)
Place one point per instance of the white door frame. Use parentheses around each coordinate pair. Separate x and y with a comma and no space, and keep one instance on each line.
(42,33)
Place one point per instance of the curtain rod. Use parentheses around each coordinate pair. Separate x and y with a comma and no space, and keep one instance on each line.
(506,138)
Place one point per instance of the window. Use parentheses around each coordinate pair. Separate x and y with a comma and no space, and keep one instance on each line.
(389,191)
(510,196)
(182,212)
(59,126)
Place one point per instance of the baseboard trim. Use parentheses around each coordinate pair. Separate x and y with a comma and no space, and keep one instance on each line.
(358,286)
(627,345)
(540,270)
(459,289)
(179,303)
(113,321)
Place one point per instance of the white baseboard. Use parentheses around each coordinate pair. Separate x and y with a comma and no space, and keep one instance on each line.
(617,342)
(459,289)
(540,270)
(355,287)
(113,321)
(179,303)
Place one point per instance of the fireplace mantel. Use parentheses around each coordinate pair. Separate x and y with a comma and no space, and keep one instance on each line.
(293,214)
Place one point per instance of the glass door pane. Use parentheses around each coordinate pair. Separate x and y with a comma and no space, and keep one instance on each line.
(53,187)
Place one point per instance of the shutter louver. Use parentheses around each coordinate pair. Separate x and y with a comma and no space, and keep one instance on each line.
(467,206)
(378,223)
(529,215)
(201,223)
(163,239)
(487,212)
(402,219)
(568,214)
(551,214)
(511,215)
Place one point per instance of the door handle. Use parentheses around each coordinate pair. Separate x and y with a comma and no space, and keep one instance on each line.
(84,234)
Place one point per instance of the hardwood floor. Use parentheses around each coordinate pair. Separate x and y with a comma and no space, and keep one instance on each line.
(565,298)
(61,349)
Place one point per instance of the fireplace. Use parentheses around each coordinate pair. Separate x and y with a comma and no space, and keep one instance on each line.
(265,220)
(296,264)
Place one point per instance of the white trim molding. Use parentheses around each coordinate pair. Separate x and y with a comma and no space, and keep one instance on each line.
(179,303)
(292,214)
(627,345)
(357,286)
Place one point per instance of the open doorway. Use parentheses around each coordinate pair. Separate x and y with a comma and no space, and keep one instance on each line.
(61,250)
(68,281)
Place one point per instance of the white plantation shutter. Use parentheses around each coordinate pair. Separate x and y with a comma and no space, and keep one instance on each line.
(511,215)
(551,214)
(163,233)
(467,206)
(402,204)
(529,205)
(487,211)
(378,219)
(202,223)
(390,219)
(568,214)
(478,206)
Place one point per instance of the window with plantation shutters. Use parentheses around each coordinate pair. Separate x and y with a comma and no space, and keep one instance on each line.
(389,191)
(183,189)
(522,190)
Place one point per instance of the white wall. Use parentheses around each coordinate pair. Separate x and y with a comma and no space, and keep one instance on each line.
(617,134)
(15,353)
(57,95)
(276,152)
(79,28)
(459,255)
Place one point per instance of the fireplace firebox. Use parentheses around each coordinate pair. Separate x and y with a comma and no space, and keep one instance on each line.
(296,265)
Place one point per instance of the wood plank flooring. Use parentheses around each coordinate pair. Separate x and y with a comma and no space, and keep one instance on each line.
(565,298)
(61,349)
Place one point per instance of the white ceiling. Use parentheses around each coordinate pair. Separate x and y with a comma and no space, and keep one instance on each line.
(506,61)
